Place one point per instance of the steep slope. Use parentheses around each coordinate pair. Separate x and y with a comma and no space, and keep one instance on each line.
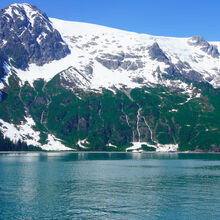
(139,55)
(70,85)
(114,58)
(27,36)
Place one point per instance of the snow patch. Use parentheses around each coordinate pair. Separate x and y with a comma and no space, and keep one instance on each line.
(31,14)
(159,147)
(7,70)
(173,110)
(9,11)
(82,143)
(3,43)
(111,145)
(2,85)
(137,146)
(41,37)
(23,132)
(54,144)
(167,148)
(27,134)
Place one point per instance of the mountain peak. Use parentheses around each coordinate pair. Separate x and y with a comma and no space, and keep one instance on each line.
(29,30)
(21,5)
(23,11)
(205,46)
(156,53)
(197,41)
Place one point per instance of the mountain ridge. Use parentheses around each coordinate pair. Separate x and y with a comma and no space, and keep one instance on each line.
(29,30)
(90,87)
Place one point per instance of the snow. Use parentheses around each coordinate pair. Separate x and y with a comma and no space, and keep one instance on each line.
(83,55)
(99,35)
(3,43)
(106,78)
(198,95)
(71,28)
(54,144)
(31,14)
(41,37)
(177,49)
(167,148)
(173,110)
(7,70)
(1,85)
(159,147)
(46,72)
(9,11)
(72,74)
(111,145)
(27,134)
(89,41)
(136,146)
(23,132)
(81,143)
(198,60)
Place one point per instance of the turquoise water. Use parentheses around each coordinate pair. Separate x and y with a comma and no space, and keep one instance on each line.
(109,186)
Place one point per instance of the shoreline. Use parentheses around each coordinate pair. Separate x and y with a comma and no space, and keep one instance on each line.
(107,152)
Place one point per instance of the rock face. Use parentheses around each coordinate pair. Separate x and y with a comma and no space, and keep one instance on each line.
(205,46)
(156,53)
(27,36)
(2,72)
(114,62)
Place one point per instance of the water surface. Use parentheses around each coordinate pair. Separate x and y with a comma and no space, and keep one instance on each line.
(109,186)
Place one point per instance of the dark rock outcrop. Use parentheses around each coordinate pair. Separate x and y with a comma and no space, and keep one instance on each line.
(205,46)
(156,53)
(2,71)
(114,62)
(27,36)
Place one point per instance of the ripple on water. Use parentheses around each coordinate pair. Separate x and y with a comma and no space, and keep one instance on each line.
(112,186)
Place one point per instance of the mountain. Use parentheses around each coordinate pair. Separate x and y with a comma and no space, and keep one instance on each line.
(70,85)
(27,36)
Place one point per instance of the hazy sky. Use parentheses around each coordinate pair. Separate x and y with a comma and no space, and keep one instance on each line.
(180,18)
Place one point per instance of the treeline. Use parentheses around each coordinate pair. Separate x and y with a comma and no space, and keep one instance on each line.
(7,145)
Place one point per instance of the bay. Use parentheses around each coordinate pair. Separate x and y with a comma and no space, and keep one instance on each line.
(109,186)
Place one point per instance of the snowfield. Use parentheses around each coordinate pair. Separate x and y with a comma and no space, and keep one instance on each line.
(89,42)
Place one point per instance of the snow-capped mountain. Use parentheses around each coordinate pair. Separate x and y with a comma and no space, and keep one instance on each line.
(27,36)
(124,58)
(101,56)
(84,59)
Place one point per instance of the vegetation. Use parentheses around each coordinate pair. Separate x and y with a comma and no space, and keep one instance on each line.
(106,119)
(147,148)
(7,145)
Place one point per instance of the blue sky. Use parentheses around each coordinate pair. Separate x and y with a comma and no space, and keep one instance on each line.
(178,18)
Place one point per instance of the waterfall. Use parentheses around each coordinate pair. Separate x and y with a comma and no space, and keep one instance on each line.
(138,119)
(151,133)
(128,122)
